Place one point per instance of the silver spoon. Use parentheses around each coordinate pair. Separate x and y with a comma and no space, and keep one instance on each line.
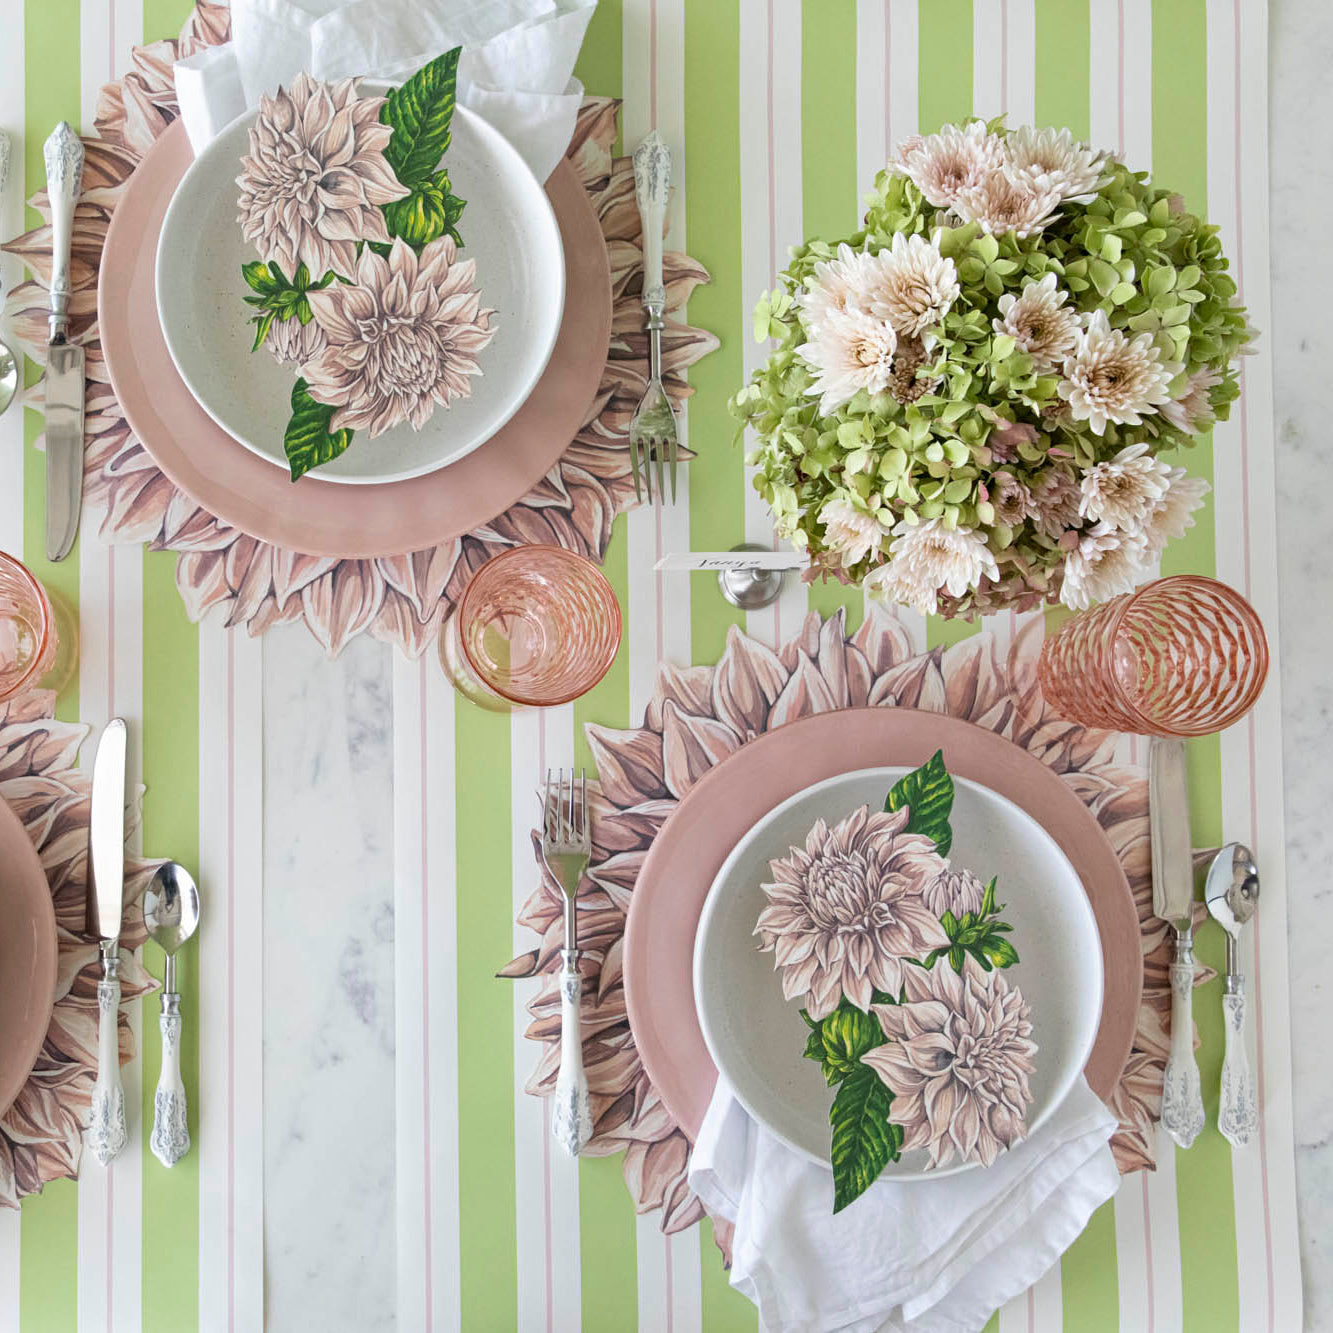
(171,913)
(9,363)
(1232,895)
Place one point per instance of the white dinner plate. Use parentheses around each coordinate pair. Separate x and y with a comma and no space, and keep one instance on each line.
(508,227)
(756,1037)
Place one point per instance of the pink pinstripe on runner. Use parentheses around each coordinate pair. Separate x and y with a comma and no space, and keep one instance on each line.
(546,1101)
(1250,735)
(772,244)
(425,1008)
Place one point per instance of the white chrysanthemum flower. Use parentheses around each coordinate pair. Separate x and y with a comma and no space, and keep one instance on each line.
(930,558)
(1108,377)
(1002,203)
(1193,410)
(850,534)
(1105,563)
(1175,510)
(1125,490)
(912,286)
(940,165)
(1053,161)
(838,284)
(849,351)
(1040,322)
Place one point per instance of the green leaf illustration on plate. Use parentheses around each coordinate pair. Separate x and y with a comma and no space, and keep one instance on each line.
(980,934)
(429,212)
(865,1141)
(840,1039)
(928,794)
(308,441)
(419,113)
(278,298)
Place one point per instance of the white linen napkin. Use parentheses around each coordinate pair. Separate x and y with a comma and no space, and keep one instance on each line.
(516,69)
(935,1256)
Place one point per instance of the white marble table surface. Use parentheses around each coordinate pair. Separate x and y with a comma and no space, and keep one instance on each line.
(328,776)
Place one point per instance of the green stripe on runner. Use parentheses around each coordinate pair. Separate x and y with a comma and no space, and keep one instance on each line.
(48,1259)
(49,1222)
(1062,63)
(713,223)
(944,75)
(725,1310)
(829,188)
(1204,1197)
(170,826)
(1089,1280)
(1089,1283)
(164,18)
(53,96)
(488,1237)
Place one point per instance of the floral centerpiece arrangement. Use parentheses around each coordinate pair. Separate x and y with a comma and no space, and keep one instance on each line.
(896,956)
(970,398)
(358,285)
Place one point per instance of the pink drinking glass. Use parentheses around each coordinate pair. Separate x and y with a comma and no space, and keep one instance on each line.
(1183,656)
(537,625)
(36,642)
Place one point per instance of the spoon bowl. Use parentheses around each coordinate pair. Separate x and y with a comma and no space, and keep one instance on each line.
(9,375)
(171,907)
(1232,888)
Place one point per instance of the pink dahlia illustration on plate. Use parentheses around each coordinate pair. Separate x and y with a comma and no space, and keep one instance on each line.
(359,285)
(897,958)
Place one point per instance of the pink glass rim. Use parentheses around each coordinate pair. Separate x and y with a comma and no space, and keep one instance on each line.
(513,559)
(1141,722)
(40,663)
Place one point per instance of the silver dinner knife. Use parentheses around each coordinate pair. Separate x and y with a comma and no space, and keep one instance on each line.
(1173,902)
(63,152)
(106,860)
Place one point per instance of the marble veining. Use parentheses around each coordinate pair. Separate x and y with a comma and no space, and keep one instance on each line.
(1301,196)
(329,1248)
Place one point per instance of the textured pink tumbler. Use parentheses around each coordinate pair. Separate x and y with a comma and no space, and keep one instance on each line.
(1184,656)
(31,651)
(537,625)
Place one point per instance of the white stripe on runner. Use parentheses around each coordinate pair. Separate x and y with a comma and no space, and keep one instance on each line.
(10,1255)
(231,992)
(110,1219)
(897,54)
(425,992)
(1263,1185)
(770,66)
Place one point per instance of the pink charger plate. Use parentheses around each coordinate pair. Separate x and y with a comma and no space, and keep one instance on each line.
(732,797)
(318,517)
(27,957)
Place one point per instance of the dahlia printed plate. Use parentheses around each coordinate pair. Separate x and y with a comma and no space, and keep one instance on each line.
(899,973)
(361,279)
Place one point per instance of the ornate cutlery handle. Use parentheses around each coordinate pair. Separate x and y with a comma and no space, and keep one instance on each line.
(571,1120)
(106,1130)
(1182,1096)
(652,188)
(63,153)
(1238,1114)
(171,1135)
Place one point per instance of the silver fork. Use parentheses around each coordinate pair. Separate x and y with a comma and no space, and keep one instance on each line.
(566,850)
(653,437)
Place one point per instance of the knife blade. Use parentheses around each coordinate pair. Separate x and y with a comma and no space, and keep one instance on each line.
(63,154)
(1173,901)
(107,1133)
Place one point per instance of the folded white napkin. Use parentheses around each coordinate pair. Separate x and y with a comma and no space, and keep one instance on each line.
(934,1256)
(516,69)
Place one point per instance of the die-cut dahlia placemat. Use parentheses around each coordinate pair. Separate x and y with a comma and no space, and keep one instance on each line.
(402,599)
(697,717)
(41,1135)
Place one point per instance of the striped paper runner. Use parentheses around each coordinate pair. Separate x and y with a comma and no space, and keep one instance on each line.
(779,113)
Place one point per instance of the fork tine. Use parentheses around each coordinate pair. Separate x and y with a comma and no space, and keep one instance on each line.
(659,448)
(671,461)
(583,806)
(567,802)
(546,809)
(634,466)
(646,445)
